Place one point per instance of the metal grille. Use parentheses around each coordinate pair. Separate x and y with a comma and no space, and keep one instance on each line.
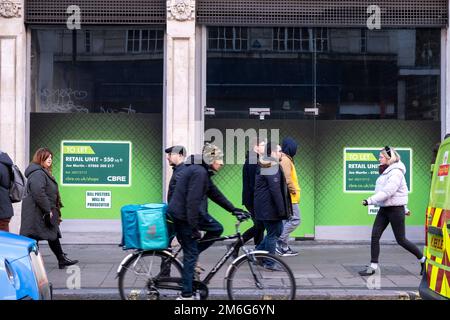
(326,13)
(97,12)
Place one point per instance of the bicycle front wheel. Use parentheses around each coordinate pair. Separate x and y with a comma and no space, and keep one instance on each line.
(139,275)
(261,276)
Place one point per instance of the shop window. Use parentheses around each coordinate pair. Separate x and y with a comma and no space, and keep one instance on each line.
(87,41)
(147,40)
(363,41)
(321,38)
(101,70)
(228,38)
(357,74)
(291,39)
(428,48)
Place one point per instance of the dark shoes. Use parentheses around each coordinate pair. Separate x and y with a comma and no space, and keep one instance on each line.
(367,272)
(63,261)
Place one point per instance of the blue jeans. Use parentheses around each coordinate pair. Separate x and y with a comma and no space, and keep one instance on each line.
(191,248)
(274,229)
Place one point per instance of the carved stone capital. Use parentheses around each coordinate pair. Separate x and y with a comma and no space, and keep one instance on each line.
(9,9)
(181,10)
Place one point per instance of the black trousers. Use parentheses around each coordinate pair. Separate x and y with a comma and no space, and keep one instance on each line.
(396,217)
(56,248)
(256,231)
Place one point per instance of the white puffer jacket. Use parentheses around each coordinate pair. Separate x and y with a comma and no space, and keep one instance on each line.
(391,188)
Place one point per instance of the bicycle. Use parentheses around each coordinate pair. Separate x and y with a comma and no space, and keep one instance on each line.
(255,274)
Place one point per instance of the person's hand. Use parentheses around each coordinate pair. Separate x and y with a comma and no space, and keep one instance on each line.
(196,235)
(241,215)
(365,203)
(408,213)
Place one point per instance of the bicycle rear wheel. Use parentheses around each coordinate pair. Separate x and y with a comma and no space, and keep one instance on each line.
(261,277)
(139,275)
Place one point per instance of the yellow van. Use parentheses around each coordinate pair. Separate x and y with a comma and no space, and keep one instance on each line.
(436,278)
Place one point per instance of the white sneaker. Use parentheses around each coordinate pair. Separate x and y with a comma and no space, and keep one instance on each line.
(180,297)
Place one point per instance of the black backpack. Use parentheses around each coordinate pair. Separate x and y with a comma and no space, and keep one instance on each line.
(17,186)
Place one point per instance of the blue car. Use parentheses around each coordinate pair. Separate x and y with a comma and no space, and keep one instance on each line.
(22,271)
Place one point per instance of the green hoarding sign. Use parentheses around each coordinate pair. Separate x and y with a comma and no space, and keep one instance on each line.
(96,163)
(361,168)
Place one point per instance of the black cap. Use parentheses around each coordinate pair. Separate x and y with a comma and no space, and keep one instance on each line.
(176,149)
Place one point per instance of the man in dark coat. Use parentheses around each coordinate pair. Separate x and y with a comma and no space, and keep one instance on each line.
(248,191)
(176,156)
(189,209)
(272,198)
(6,208)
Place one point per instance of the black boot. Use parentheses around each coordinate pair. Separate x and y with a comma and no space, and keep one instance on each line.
(63,261)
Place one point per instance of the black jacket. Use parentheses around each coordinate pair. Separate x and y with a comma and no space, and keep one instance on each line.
(6,208)
(173,180)
(248,180)
(194,187)
(272,198)
(41,198)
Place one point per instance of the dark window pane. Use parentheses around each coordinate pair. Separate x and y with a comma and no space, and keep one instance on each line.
(160,45)
(213,32)
(305,45)
(212,44)
(145,45)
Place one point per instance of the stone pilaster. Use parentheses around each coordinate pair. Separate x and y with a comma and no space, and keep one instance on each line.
(13,124)
(183,117)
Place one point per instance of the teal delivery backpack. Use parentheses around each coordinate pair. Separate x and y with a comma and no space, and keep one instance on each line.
(130,234)
(144,226)
(153,227)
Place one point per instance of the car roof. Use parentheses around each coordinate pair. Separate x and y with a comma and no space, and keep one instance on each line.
(13,246)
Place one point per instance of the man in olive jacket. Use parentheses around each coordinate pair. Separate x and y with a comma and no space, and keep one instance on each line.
(6,208)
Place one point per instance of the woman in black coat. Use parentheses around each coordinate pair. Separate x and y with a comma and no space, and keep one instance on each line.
(41,207)
(6,208)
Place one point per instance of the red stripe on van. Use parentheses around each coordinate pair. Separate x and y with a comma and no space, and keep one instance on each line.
(439,280)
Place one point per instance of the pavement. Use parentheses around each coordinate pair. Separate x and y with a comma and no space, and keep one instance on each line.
(323,271)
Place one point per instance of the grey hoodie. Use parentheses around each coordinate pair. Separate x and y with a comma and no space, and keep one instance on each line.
(391,188)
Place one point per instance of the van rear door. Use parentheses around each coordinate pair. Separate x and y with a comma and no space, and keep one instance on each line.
(437,248)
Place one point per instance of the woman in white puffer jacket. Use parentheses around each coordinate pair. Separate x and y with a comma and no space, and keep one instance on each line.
(391,194)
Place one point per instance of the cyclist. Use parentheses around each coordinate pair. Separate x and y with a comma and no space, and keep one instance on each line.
(176,156)
(189,209)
